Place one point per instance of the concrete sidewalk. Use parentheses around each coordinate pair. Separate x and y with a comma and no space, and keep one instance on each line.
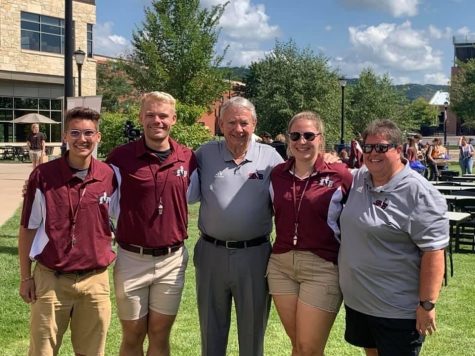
(12,177)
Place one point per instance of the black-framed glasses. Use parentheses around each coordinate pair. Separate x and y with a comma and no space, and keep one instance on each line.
(88,133)
(308,136)
(378,147)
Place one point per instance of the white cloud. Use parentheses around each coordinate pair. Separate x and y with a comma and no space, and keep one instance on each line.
(395,47)
(436,78)
(108,43)
(438,34)
(328,28)
(244,20)
(463,30)
(397,8)
(245,28)
(399,50)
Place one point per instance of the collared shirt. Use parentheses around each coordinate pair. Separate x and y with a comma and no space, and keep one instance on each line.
(318,217)
(235,199)
(383,233)
(70,215)
(151,208)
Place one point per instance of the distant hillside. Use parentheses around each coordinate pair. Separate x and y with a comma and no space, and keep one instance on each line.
(414,91)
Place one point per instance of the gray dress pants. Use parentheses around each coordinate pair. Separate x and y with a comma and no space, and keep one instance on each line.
(223,275)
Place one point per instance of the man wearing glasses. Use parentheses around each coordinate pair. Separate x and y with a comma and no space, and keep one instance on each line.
(65,229)
(391,261)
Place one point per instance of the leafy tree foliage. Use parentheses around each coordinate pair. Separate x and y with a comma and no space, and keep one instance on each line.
(174,51)
(190,135)
(114,86)
(290,80)
(462,92)
(374,97)
(421,113)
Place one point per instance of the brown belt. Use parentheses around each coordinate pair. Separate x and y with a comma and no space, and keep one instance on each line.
(161,251)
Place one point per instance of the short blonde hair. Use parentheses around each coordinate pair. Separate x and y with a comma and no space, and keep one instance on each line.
(158,96)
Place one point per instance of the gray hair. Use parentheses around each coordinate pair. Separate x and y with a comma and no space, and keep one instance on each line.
(386,128)
(238,101)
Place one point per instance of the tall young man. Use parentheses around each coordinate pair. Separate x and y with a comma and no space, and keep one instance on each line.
(153,175)
(65,230)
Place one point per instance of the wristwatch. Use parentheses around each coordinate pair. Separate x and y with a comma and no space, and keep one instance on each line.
(427,305)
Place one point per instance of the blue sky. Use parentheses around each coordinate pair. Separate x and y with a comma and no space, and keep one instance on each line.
(410,40)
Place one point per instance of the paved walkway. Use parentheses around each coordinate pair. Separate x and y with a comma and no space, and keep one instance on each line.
(12,177)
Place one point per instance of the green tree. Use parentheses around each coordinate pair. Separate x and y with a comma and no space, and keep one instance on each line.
(290,80)
(421,113)
(174,51)
(374,97)
(114,86)
(462,92)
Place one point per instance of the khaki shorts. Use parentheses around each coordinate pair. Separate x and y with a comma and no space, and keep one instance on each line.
(144,282)
(83,302)
(35,155)
(302,273)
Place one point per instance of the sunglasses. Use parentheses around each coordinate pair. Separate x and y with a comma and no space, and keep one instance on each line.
(378,147)
(77,133)
(308,136)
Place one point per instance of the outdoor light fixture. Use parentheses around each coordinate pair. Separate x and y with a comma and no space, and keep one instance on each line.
(79,56)
(342,132)
(446,104)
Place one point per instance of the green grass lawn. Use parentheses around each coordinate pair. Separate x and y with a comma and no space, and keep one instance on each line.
(455,310)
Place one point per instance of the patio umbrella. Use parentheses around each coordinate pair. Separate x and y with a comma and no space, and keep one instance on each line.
(34,118)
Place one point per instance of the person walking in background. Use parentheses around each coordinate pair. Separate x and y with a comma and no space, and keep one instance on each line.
(391,261)
(152,219)
(235,220)
(65,229)
(36,142)
(435,158)
(465,155)
(302,273)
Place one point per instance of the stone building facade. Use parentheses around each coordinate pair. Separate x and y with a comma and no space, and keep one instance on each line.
(32,61)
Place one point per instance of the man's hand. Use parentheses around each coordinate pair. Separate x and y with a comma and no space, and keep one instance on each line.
(330,158)
(27,290)
(425,321)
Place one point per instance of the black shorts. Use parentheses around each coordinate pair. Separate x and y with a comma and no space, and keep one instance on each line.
(391,337)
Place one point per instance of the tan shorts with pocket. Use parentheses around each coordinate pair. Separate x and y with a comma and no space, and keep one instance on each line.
(303,273)
(144,282)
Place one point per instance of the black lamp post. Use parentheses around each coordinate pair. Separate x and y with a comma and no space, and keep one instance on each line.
(342,132)
(79,56)
(446,104)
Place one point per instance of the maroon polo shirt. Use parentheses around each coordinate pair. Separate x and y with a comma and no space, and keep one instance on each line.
(318,227)
(70,215)
(153,210)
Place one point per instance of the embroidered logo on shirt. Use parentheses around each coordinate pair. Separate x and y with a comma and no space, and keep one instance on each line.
(382,204)
(181,172)
(256,175)
(219,174)
(104,199)
(326,182)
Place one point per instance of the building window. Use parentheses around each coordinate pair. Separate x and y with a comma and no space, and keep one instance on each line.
(89,40)
(12,108)
(42,33)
